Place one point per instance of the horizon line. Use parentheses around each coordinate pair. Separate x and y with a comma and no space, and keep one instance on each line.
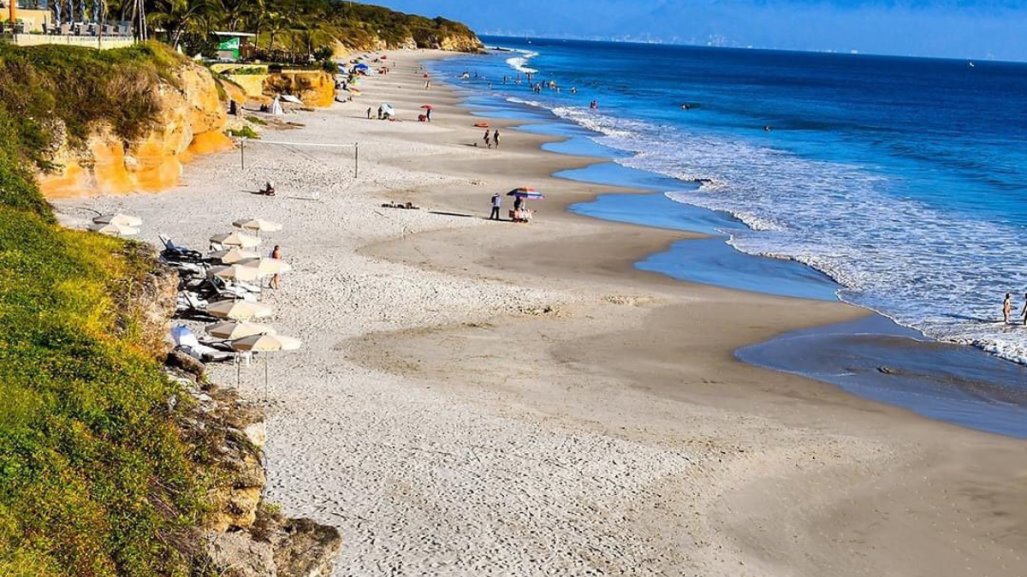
(663,42)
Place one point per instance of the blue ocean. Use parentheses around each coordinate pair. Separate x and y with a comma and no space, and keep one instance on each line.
(903,181)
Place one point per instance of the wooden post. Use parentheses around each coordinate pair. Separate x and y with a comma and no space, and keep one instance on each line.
(242,153)
(356,159)
(14,17)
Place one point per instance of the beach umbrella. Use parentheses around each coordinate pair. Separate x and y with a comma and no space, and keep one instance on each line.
(238,310)
(265,344)
(526,193)
(265,265)
(233,255)
(114,229)
(236,239)
(235,272)
(426,106)
(119,219)
(232,330)
(257,225)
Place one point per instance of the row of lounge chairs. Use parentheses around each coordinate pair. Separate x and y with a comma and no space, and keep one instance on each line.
(196,290)
(88,29)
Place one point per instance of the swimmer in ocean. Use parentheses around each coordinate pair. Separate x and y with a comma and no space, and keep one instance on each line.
(1007,308)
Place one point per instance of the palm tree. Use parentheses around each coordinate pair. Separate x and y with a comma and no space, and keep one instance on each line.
(176,17)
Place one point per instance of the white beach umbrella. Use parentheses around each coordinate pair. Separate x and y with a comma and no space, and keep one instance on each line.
(238,239)
(235,272)
(266,344)
(234,255)
(257,225)
(232,330)
(119,219)
(114,229)
(266,265)
(239,310)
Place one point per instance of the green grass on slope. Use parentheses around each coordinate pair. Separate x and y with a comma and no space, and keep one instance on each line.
(95,478)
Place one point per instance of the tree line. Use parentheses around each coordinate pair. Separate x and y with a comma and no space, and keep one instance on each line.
(299,28)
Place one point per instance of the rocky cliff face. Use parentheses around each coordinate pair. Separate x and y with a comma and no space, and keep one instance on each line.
(242,535)
(461,43)
(313,87)
(189,122)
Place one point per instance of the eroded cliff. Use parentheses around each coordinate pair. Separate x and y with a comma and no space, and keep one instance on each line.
(189,119)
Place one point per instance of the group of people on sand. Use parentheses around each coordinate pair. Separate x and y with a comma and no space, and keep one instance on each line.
(492,139)
(1007,308)
(518,214)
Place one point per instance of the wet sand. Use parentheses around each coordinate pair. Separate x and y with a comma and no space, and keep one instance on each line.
(479,398)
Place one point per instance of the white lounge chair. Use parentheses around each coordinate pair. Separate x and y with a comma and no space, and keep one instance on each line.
(187,342)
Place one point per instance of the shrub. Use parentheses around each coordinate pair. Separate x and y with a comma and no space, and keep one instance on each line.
(244,132)
(96,478)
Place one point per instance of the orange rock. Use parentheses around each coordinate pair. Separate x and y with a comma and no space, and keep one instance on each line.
(190,118)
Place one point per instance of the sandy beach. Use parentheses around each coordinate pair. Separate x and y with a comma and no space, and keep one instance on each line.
(490,398)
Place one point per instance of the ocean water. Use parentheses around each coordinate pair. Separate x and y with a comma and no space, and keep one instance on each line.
(902,180)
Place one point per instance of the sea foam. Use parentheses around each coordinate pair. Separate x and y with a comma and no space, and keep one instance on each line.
(520,62)
(938,272)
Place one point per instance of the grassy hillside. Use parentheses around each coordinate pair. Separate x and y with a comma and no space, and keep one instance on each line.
(360,24)
(297,30)
(95,477)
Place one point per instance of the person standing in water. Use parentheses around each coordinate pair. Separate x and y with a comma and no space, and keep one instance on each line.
(1007,308)
(1024,311)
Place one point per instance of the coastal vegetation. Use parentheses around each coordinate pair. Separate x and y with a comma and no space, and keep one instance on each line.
(99,474)
(294,30)
(96,478)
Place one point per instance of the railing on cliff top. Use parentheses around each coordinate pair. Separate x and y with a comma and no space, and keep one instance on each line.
(98,42)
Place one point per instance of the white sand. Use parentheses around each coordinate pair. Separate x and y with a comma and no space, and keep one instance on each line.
(448,426)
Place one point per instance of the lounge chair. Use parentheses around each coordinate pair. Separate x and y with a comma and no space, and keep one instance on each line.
(214,288)
(190,306)
(175,253)
(187,342)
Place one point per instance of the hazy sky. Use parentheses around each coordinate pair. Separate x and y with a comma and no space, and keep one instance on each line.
(950,28)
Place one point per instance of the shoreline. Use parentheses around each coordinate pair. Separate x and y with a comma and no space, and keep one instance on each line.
(704,256)
(479,396)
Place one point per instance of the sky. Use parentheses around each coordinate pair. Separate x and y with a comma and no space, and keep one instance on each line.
(983,29)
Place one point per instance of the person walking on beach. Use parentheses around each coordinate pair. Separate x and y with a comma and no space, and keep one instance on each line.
(276,279)
(495,138)
(369,113)
(488,143)
(1007,308)
(497,202)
